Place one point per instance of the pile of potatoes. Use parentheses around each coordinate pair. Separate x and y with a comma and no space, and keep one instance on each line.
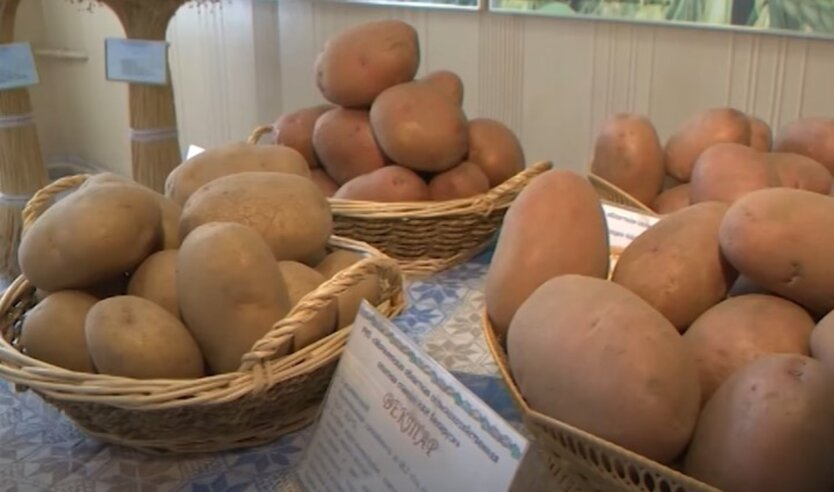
(384,136)
(718,154)
(709,347)
(140,284)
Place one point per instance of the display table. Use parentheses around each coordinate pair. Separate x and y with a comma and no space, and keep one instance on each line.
(42,450)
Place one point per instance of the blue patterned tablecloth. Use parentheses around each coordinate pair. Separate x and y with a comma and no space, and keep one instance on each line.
(42,450)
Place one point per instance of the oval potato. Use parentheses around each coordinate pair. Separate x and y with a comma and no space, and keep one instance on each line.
(462,181)
(761,136)
(387,184)
(628,154)
(447,82)
(495,149)
(672,200)
(812,137)
(799,171)
(583,349)
(345,144)
(727,171)
(156,280)
(53,330)
(295,130)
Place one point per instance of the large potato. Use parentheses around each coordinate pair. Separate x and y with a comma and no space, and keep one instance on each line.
(495,149)
(736,331)
(761,136)
(359,63)
(447,82)
(701,131)
(628,154)
(387,184)
(812,137)
(230,291)
(727,171)
(590,353)
(325,183)
(295,130)
(232,158)
(781,239)
(345,144)
(368,288)
(768,428)
(822,341)
(156,280)
(288,211)
(300,280)
(420,128)
(799,171)
(90,236)
(555,226)
(672,200)
(53,330)
(133,337)
(462,181)
(676,265)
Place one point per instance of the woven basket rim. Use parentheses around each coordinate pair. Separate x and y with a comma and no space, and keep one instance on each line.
(259,370)
(628,198)
(500,358)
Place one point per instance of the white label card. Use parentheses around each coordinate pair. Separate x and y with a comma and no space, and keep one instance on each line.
(623,226)
(395,420)
(137,61)
(17,66)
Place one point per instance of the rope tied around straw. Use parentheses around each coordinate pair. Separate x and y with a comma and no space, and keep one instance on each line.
(16,120)
(152,134)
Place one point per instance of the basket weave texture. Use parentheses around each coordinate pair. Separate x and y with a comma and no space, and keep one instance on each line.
(265,398)
(612,193)
(427,237)
(579,461)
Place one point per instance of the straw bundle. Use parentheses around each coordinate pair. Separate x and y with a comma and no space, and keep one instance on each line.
(22,171)
(154,141)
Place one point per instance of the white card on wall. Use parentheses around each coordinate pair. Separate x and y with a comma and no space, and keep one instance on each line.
(395,420)
(17,66)
(137,61)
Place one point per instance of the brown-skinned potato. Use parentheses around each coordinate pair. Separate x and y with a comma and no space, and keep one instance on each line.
(387,184)
(726,171)
(346,145)
(495,149)
(462,181)
(447,82)
(812,137)
(295,130)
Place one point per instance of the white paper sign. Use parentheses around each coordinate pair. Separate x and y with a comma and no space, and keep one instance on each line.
(623,226)
(136,61)
(17,66)
(395,420)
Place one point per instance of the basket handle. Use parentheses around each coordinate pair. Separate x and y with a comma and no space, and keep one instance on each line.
(266,348)
(507,190)
(42,198)
(259,132)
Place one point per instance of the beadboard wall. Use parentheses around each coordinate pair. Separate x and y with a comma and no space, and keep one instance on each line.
(552,80)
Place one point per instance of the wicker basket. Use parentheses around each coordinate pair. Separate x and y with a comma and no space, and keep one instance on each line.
(609,192)
(579,461)
(427,237)
(266,398)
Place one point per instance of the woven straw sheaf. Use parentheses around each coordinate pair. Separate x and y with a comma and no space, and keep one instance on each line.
(266,398)
(579,461)
(427,237)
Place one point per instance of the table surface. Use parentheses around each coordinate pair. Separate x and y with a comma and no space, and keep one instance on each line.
(40,449)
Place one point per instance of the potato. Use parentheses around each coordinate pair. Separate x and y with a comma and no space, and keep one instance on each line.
(231,158)
(90,236)
(495,149)
(591,354)
(345,144)
(799,171)
(781,239)
(420,128)
(533,246)
(368,288)
(701,131)
(676,265)
(462,181)
(628,154)
(767,428)
(727,171)
(447,82)
(288,211)
(812,137)
(133,337)
(156,280)
(359,63)
(295,130)
(300,280)
(822,341)
(53,330)
(325,183)
(672,200)
(761,136)
(736,331)
(387,184)
(230,291)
